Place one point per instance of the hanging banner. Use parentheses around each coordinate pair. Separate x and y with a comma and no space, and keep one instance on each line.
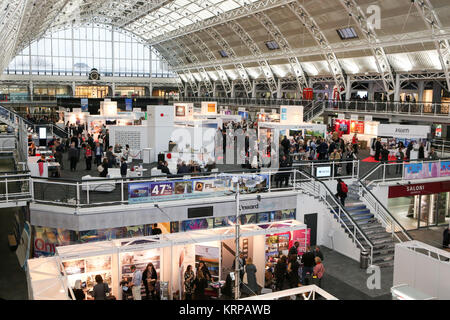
(129,104)
(84,105)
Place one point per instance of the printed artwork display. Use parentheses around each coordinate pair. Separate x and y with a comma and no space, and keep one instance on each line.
(195,188)
(426,170)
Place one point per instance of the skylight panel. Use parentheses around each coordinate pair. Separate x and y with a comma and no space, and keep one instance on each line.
(205,14)
(194,8)
(347,33)
(229,5)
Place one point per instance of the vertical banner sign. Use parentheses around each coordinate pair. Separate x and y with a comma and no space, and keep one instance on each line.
(84,105)
(129,104)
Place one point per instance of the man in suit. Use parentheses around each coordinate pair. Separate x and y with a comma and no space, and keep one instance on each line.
(378,148)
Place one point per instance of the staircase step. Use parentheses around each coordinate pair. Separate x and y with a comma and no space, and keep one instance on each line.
(383,258)
(371,226)
(360,212)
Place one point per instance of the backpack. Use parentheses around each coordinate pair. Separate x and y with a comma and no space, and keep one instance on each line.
(344,187)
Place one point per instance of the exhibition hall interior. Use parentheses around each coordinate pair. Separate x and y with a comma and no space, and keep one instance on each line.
(224,150)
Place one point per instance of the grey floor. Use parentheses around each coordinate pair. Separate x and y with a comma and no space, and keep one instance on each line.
(346,281)
(13,283)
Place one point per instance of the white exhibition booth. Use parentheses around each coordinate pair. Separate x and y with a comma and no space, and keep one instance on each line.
(51,278)
(423,268)
(391,134)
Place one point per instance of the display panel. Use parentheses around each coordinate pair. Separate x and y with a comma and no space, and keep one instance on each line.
(323,172)
(42,133)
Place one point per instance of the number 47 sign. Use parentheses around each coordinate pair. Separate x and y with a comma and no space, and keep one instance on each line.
(161,189)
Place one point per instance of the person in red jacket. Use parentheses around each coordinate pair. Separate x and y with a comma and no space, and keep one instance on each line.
(342,191)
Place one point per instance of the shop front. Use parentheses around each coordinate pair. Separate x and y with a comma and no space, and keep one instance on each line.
(420,205)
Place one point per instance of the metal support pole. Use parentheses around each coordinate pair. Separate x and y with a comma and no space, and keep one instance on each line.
(236,261)
(6,189)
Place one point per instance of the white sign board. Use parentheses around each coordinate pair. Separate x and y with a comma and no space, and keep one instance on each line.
(291,115)
(108,108)
(323,172)
(403,131)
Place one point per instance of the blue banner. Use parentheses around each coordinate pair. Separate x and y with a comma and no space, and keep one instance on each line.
(84,105)
(129,104)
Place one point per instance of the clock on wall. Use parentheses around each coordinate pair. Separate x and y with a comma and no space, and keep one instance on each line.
(94,75)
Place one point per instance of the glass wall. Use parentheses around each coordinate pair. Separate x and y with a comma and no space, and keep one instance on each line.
(76,51)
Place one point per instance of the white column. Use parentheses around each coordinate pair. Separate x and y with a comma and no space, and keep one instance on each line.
(150,88)
(348,92)
(421,88)
(397,88)
(215,89)
(74,87)
(254,89)
(371,91)
(279,89)
(31,88)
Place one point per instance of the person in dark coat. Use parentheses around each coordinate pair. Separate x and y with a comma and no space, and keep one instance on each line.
(308,264)
(292,271)
(280,273)
(378,148)
(251,270)
(123,167)
(294,249)
(73,157)
(183,169)
(421,154)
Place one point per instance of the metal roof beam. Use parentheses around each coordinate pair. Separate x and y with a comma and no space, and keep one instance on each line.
(297,70)
(433,23)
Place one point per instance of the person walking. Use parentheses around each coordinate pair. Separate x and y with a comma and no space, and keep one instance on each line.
(308,264)
(88,157)
(251,270)
(149,278)
(342,191)
(189,279)
(136,283)
(73,157)
(98,154)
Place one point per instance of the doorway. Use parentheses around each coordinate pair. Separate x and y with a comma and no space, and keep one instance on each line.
(311,222)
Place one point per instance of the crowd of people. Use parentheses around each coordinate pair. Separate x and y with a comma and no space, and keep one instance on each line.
(82,146)
(293,271)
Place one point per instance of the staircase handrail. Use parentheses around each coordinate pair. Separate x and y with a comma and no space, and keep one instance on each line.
(379,209)
(341,209)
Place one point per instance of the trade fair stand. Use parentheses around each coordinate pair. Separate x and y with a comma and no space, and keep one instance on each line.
(53,278)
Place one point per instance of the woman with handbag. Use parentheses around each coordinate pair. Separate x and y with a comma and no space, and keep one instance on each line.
(149,278)
(189,278)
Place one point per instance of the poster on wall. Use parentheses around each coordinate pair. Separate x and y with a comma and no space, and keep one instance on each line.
(357,127)
(342,125)
(47,239)
(180,111)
